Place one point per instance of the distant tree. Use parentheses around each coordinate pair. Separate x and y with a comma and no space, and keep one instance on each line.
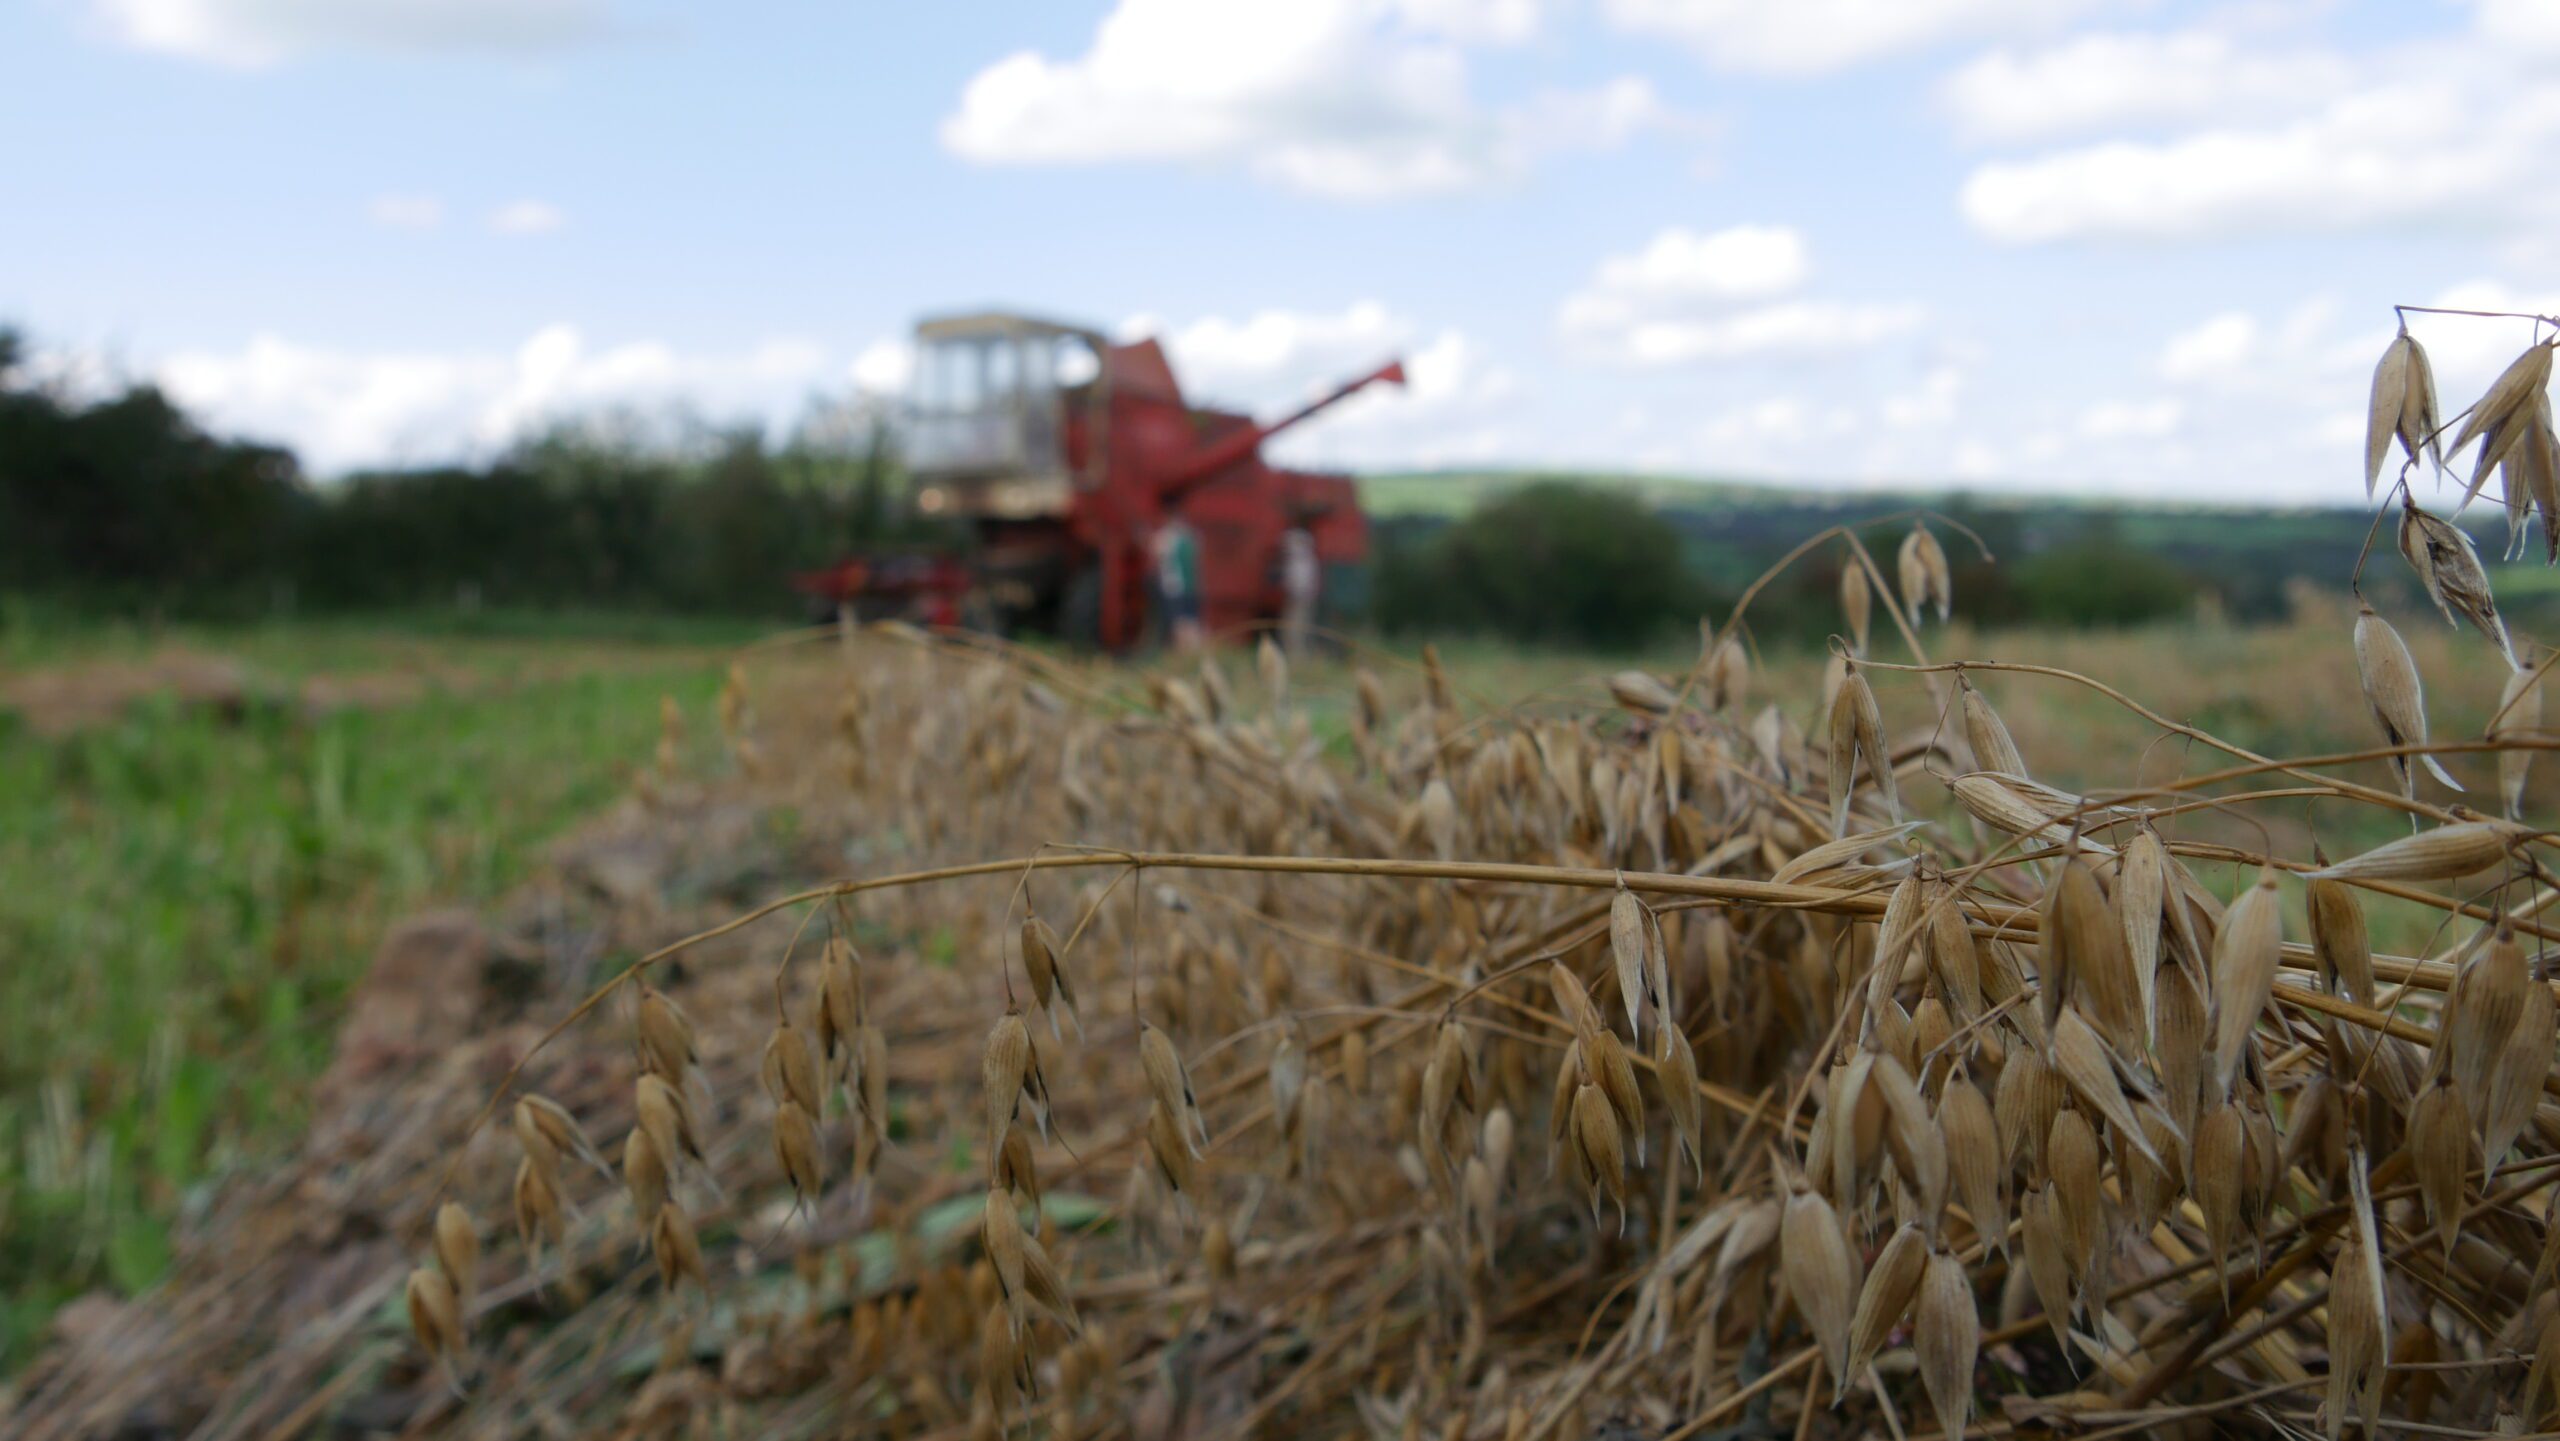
(1551,562)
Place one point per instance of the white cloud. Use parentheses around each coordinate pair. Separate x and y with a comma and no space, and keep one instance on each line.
(1353,99)
(2120,419)
(526,217)
(349,409)
(1674,302)
(2106,81)
(2449,132)
(1798,37)
(250,33)
(406,212)
(2212,349)
(884,366)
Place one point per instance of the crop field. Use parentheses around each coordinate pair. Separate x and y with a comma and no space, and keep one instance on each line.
(861,1032)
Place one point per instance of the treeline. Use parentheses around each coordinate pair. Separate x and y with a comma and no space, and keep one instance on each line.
(126,505)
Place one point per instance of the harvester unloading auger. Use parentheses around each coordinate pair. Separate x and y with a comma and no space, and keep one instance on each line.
(1065,453)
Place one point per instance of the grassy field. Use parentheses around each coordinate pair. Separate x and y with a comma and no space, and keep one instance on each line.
(189,886)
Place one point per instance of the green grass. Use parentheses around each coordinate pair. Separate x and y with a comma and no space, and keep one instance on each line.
(186,899)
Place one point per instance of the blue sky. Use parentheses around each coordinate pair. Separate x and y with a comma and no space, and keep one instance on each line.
(2131,246)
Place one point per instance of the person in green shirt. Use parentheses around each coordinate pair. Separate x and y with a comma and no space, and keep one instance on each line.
(1178,581)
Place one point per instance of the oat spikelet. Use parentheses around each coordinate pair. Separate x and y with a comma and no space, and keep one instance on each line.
(2441,854)
(2439,1153)
(1627,946)
(458,1249)
(797,1146)
(1003,1371)
(789,1069)
(2214,1178)
(2515,1077)
(435,1314)
(2481,1011)
(1170,1080)
(2091,1073)
(1946,1337)
(547,1132)
(1857,603)
(1171,1151)
(2339,939)
(839,1009)
(1988,735)
(1821,1275)
(2245,953)
(2507,395)
(2141,890)
(1857,734)
(1045,966)
(666,1034)
(1002,1071)
(538,1211)
(644,1176)
(1924,574)
(2049,1267)
(1599,1146)
(1891,1284)
(2392,689)
(1641,693)
(2086,958)
(678,1254)
(2356,1336)
(1678,1074)
(1973,1159)
(2449,567)
(2390,401)
(664,1113)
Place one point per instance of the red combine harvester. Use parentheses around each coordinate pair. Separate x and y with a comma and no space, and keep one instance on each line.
(1065,453)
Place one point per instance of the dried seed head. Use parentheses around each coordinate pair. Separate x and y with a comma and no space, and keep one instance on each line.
(2071,1157)
(2441,854)
(1988,735)
(2180,1035)
(2357,1355)
(644,1175)
(1820,1273)
(537,1207)
(1924,574)
(678,1254)
(2515,1077)
(1002,1369)
(1946,1336)
(666,1034)
(1000,1232)
(1627,944)
(1678,1075)
(2439,1153)
(1600,1147)
(2388,404)
(797,1146)
(662,1111)
(839,1009)
(2028,1095)
(1041,958)
(2215,1181)
(547,1132)
(2339,939)
(2449,567)
(2047,1246)
(2142,889)
(2482,1010)
(1171,1150)
(1014,1171)
(2397,699)
(1615,1074)
(2086,959)
(1003,1070)
(1642,693)
(1170,1080)
(2245,954)
(1857,602)
(789,1069)
(458,1248)
(2091,1073)
(1973,1158)
(1891,1284)
(435,1314)
(1857,736)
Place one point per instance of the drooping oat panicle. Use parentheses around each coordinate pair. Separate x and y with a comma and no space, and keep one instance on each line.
(1857,736)
(1974,1162)
(2338,937)
(678,1253)
(1627,947)
(2215,1181)
(539,1214)
(1857,603)
(435,1314)
(1820,1273)
(548,1132)
(1988,735)
(1946,1337)
(2518,717)
(457,1247)
(2398,700)
(2516,1075)
(1924,574)
(2448,851)
(789,1070)
(2048,1252)
(2246,952)
(2507,395)
(797,1146)
(2450,570)
(1678,1074)
(2390,401)
(1170,1080)
(1892,1281)
(1050,985)
(1641,693)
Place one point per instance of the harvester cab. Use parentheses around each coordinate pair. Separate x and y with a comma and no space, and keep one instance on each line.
(1066,454)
